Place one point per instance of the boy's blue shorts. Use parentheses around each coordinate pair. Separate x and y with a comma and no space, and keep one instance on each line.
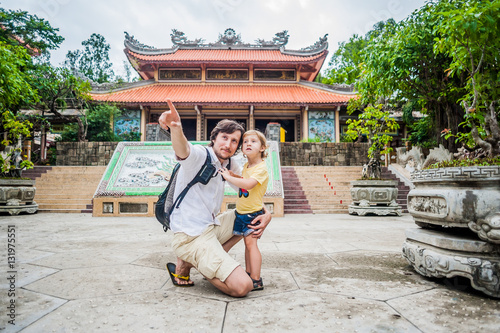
(242,221)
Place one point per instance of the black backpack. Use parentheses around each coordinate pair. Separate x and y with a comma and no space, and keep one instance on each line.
(166,203)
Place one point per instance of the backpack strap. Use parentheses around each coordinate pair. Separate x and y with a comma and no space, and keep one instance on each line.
(196,179)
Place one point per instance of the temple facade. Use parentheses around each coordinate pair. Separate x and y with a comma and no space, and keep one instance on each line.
(255,84)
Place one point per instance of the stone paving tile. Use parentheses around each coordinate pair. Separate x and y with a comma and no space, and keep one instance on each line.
(30,306)
(26,274)
(306,311)
(161,311)
(456,311)
(371,275)
(275,282)
(100,281)
(89,258)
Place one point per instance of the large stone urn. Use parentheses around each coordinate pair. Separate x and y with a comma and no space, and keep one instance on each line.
(17,195)
(459,212)
(374,197)
(464,197)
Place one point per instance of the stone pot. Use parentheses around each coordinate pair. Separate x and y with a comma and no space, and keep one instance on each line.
(17,195)
(464,197)
(374,197)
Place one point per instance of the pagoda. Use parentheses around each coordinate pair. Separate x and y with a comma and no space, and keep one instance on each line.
(255,84)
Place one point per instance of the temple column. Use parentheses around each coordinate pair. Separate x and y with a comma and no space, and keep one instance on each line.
(337,124)
(143,123)
(199,123)
(305,122)
(251,119)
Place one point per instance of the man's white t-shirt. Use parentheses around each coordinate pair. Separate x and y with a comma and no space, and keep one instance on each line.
(202,203)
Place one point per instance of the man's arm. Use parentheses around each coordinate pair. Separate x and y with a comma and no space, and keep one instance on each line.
(171,119)
(260,223)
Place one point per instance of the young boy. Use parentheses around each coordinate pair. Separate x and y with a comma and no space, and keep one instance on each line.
(253,185)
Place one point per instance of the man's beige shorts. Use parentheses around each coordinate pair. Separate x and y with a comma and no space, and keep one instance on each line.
(205,252)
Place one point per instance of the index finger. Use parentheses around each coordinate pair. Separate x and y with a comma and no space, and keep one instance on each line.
(171,106)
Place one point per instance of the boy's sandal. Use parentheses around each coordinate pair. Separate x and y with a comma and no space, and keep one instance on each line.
(257,284)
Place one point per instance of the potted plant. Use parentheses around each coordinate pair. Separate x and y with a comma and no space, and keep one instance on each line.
(16,193)
(372,194)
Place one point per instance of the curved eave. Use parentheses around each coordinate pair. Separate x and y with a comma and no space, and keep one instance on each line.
(225,94)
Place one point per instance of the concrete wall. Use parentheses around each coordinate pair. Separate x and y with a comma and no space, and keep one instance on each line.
(291,153)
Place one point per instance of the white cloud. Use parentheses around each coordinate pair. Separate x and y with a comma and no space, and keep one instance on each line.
(151,21)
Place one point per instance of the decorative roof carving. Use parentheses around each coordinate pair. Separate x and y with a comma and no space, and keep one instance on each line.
(228,40)
(322,41)
(280,39)
(131,40)
(179,38)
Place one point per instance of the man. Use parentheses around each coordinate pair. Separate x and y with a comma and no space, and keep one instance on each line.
(201,238)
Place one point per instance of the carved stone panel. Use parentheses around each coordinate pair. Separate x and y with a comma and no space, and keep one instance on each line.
(482,269)
(467,197)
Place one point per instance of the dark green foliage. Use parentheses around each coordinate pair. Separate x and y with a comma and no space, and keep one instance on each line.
(93,61)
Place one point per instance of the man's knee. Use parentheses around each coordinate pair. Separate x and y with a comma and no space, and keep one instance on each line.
(242,289)
(239,283)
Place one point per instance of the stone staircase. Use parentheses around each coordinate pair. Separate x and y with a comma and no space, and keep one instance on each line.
(295,198)
(326,188)
(65,189)
(403,189)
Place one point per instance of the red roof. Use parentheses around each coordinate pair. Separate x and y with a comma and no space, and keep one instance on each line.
(224,55)
(263,94)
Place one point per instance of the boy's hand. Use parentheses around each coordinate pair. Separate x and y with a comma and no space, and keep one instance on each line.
(225,173)
(170,119)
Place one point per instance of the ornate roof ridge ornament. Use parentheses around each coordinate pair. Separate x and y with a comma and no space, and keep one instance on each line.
(134,45)
(319,46)
(280,39)
(131,40)
(228,40)
(179,38)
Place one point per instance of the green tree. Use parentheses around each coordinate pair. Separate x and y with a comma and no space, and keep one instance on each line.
(29,31)
(100,119)
(93,61)
(15,88)
(59,89)
(345,65)
(469,33)
(374,123)
(401,66)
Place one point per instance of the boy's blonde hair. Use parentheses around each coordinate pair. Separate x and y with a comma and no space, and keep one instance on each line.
(262,139)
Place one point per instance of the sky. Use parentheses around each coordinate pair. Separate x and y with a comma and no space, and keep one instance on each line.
(151,21)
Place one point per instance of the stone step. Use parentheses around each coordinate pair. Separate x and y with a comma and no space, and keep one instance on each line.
(51,201)
(297,211)
(64,211)
(62,206)
(331,211)
(68,189)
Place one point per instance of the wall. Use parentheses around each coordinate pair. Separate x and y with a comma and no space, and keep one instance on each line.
(291,153)
(84,153)
(323,153)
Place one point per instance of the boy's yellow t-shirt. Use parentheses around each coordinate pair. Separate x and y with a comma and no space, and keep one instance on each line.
(251,201)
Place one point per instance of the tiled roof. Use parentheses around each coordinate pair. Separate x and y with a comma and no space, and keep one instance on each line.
(224,55)
(210,94)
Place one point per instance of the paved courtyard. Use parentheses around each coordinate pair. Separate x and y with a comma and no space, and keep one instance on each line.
(322,273)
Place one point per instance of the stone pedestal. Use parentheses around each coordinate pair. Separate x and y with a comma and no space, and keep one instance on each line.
(374,197)
(454,252)
(17,196)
